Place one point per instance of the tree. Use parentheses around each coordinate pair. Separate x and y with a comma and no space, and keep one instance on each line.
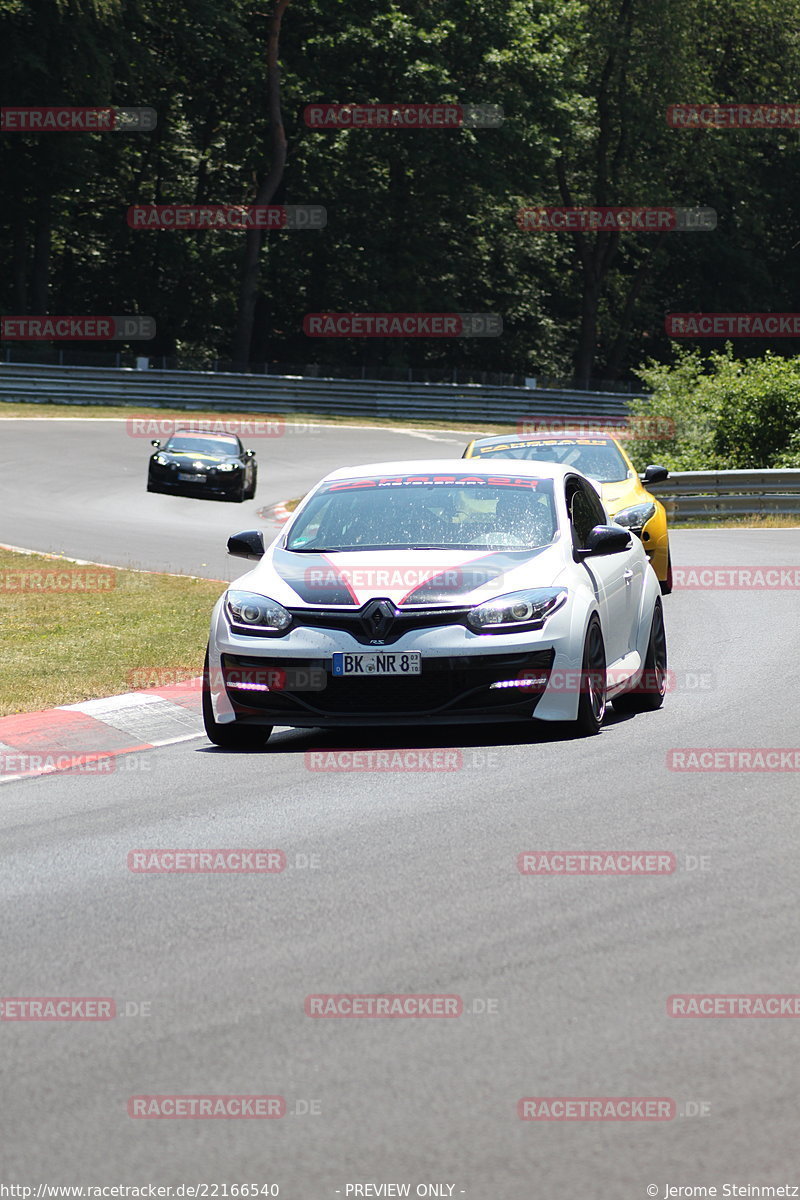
(266,190)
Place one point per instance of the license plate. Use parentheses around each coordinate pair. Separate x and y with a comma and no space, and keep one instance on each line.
(193,478)
(377,664)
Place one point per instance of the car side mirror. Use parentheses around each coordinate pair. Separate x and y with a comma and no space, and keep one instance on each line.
(605,539)
(249,453)
(654,474)
(156,444)
(249,544)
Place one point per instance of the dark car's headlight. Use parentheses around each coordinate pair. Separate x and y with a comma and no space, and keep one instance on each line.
(227,466)
(516,611)
(250,611)
(636,517)
(161,459)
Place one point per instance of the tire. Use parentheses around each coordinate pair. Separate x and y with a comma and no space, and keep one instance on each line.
(592,702)
(666,584)
(649,694)
(230,737)
(251,491)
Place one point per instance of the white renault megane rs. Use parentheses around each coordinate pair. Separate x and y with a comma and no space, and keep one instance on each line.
(436,591)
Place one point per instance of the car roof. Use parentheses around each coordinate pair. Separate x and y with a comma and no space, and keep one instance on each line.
(569,435)
(453,466)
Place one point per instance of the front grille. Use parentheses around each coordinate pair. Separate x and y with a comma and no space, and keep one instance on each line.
(352,621)
(458,684)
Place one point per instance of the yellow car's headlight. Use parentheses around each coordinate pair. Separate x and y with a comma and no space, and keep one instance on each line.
(636,517)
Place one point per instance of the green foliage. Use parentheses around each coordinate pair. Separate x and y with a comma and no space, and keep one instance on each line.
(721,413)
(416,221)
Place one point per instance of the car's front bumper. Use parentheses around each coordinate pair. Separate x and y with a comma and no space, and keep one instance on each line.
(224,484)
(655,539)
(458,669)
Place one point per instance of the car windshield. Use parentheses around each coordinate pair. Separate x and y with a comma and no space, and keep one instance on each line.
(201,445)
(598,457)
(427,512)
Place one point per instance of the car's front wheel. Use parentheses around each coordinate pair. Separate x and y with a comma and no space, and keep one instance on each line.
(649,693)
(231,736)
(592,702)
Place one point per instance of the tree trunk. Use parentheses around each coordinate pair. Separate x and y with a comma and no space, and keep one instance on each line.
(617,352)
(248,290)
(40,281)
(587,337)
(20,264)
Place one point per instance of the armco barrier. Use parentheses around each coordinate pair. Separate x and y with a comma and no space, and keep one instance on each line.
(688,494)
(287,394)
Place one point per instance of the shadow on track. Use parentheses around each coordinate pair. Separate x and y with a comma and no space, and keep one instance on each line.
(408,737)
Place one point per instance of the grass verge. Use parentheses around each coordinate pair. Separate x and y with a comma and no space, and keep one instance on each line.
(752,521)
(62,647)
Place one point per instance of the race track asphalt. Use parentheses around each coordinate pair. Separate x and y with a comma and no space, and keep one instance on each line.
(78,487)
(407,882)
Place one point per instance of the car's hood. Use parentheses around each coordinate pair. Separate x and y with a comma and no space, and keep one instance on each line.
(182,456)
(439,577)
(622,494)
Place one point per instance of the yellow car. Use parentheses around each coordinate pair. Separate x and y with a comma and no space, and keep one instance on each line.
(603,459)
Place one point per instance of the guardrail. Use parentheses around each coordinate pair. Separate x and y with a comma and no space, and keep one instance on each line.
(287,394)
(689,494)
(685,494)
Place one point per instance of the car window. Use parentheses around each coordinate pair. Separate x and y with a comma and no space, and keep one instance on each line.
(595,456)
(440,512)
(202,445)
(585,510)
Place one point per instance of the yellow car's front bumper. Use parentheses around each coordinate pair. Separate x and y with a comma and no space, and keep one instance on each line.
(655,539)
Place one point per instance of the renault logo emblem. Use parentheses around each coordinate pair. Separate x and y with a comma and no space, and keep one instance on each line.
(377,619)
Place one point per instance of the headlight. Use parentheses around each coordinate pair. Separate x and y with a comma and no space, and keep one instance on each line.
(257,612)
(227,466)
(636,518)
(517,610)
(161,459)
